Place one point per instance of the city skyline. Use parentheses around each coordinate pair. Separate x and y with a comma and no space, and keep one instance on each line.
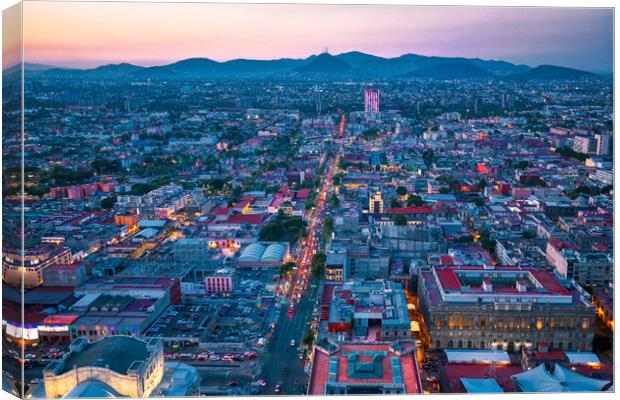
(576,38)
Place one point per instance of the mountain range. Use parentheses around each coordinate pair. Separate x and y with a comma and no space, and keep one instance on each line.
(351,65)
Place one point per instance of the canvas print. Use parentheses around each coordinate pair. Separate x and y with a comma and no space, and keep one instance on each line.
(226,199)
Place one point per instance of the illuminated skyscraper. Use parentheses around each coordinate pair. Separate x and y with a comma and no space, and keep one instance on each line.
(371,100)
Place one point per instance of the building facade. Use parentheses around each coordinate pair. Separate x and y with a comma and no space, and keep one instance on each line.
(503,308)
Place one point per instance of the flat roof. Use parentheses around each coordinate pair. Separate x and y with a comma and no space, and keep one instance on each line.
(350,360)
(114,352)
(474,356)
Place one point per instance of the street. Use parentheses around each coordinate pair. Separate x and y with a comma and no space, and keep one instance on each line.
(281,363)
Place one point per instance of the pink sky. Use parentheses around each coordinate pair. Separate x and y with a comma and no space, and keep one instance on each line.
(91,34)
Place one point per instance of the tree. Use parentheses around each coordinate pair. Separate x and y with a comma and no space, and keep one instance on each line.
(482,184)
(528,235)
(286,268)
(334,202)
(328,227)
(318,264)
(308,338)
(414,200)
(428,155)
(465,239)
(401,190)
(141,188)
(479,201)
(394,203)
(104,166)
(337,179)
(567,152)
(108,202)
(399,220)
(522,165)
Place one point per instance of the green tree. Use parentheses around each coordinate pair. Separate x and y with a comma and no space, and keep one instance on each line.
(414,200)
(308,339)
(328,227)
(399,219)
(334,202)
(286,268)
(428,155)
(318,264)
(108,202)
(401,190)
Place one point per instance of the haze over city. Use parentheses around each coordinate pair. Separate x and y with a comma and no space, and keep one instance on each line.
(81,35)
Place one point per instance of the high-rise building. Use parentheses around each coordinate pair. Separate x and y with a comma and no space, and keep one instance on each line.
(318,100)
(375,205)
(604,144)
(371,100)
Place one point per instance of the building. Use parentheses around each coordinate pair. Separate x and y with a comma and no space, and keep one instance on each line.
(101,315)
(135,286)
(336,266)
(478,371)
(375,310)
(604,144)
(589,268)
(35,261)
(375,204)
(64,275)
(503,307)
(585,145)
(603,300)
(221,281)
(191,250)
(371,101)
(264,255)
(119,365)
(415,242)
(357,368)
(131,220)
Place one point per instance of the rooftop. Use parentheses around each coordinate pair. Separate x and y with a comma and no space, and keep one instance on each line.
(117,353)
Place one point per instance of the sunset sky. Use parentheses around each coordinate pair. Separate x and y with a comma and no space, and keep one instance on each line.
(92,34)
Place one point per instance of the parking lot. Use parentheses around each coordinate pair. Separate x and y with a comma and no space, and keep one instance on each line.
(182,325)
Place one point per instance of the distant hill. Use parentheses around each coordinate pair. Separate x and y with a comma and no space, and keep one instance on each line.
(353,65)
(552,72)
(115,70)
(325,63)
(455,70)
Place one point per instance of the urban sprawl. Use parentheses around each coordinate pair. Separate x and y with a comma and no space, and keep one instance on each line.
(307,236)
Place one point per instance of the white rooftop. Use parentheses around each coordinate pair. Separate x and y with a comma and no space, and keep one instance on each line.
(477,356)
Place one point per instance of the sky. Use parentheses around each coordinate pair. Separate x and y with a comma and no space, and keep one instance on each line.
(92,34)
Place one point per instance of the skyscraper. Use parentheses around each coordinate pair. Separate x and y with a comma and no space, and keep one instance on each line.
(371,100)
(318,100)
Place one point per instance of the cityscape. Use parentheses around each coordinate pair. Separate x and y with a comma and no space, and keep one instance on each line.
(341,222)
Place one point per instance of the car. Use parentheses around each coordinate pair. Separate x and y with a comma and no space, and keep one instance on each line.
(277,388)
(292,342)
(214,357)
(261,382)
(226,358)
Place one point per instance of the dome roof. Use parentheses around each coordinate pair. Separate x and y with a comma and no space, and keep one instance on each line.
(273,253)
(252,253)
(92,388)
